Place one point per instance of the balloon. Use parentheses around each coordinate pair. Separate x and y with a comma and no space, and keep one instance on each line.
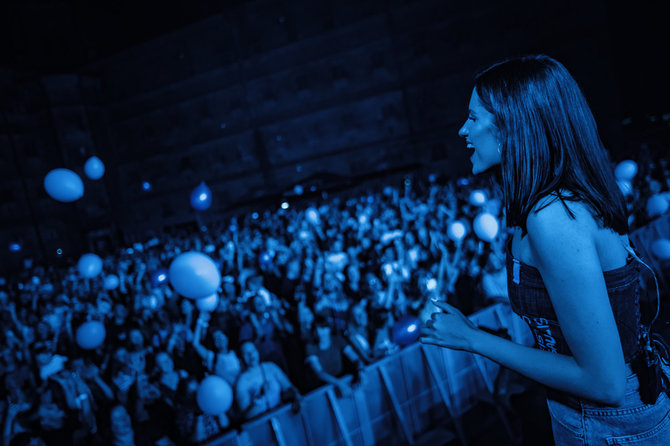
(264,259)
(159,277)
(111,282)
(312,216)
(456,231)
(625,186)
(90,335)
(661,248)
(657,205)
(64,185)
(201,197)
(194,275)
(406,330)
(626,170)
(214,395)
(486,227)
(94,168)
(207,303)
(477,198)
(89,265)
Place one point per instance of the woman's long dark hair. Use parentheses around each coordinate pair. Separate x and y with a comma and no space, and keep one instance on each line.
(550,141)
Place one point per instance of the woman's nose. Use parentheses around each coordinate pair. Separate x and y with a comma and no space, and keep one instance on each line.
(462,132)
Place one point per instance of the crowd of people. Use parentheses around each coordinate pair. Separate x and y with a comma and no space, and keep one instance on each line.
(309,294)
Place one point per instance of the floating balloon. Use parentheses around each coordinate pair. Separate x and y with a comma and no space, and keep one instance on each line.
(207,303)
(264,259)
(94,168)
(159,277)
(89,265)
(312,216)
(625,186)
(64,185)
(201,197)
(661,248)
(456,231)
(90,335)
(194,275)
(657,205)
(477,198)
(626,170)
(111,282)
(406,330)
(214,395)
(486,227)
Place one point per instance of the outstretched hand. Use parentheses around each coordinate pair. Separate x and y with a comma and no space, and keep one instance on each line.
(449,328)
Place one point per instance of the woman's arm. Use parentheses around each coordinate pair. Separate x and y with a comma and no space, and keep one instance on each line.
(566,256)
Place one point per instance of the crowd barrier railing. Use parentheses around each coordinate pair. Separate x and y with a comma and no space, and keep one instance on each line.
(399,397)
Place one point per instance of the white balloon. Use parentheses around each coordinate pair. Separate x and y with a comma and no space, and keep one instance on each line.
(657,205)
(89,265)
(477,198)
(626,170)
(207,303)
(456,231)
(94,168)
(625,186)
(312,215)
(64,185)
(486,227)
(661,248)
(194,275)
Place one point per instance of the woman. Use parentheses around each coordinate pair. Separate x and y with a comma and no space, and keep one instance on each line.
(569,275)
(221,361)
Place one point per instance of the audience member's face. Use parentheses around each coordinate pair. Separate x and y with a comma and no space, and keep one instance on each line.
(136,339)
(305,315)
(323,332)
(43,330)
(121,355)
(104,306)
(360,316)
(164,362)
(8,362)
(249,354)
(353,274)
(120,313)
(50,415)
(220,340)
(293,269)
(259,305)
(119,420)
(186,306)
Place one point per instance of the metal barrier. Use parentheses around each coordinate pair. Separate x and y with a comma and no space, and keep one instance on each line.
(399,397)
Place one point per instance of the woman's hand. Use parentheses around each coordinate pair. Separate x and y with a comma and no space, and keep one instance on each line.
(449,328)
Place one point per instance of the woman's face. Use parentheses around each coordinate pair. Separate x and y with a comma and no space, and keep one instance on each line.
(119,420)
(136,338)
(360,316)
(354,275)
(481,135)
(249,354)
(122,355)
(164,362)
(323,333)
(220,340)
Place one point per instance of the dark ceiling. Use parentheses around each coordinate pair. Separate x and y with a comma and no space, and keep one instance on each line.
(46,36)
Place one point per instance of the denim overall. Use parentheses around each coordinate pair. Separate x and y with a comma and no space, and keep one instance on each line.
(577,421)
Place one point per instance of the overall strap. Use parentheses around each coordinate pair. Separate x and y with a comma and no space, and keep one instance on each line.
(632,252)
